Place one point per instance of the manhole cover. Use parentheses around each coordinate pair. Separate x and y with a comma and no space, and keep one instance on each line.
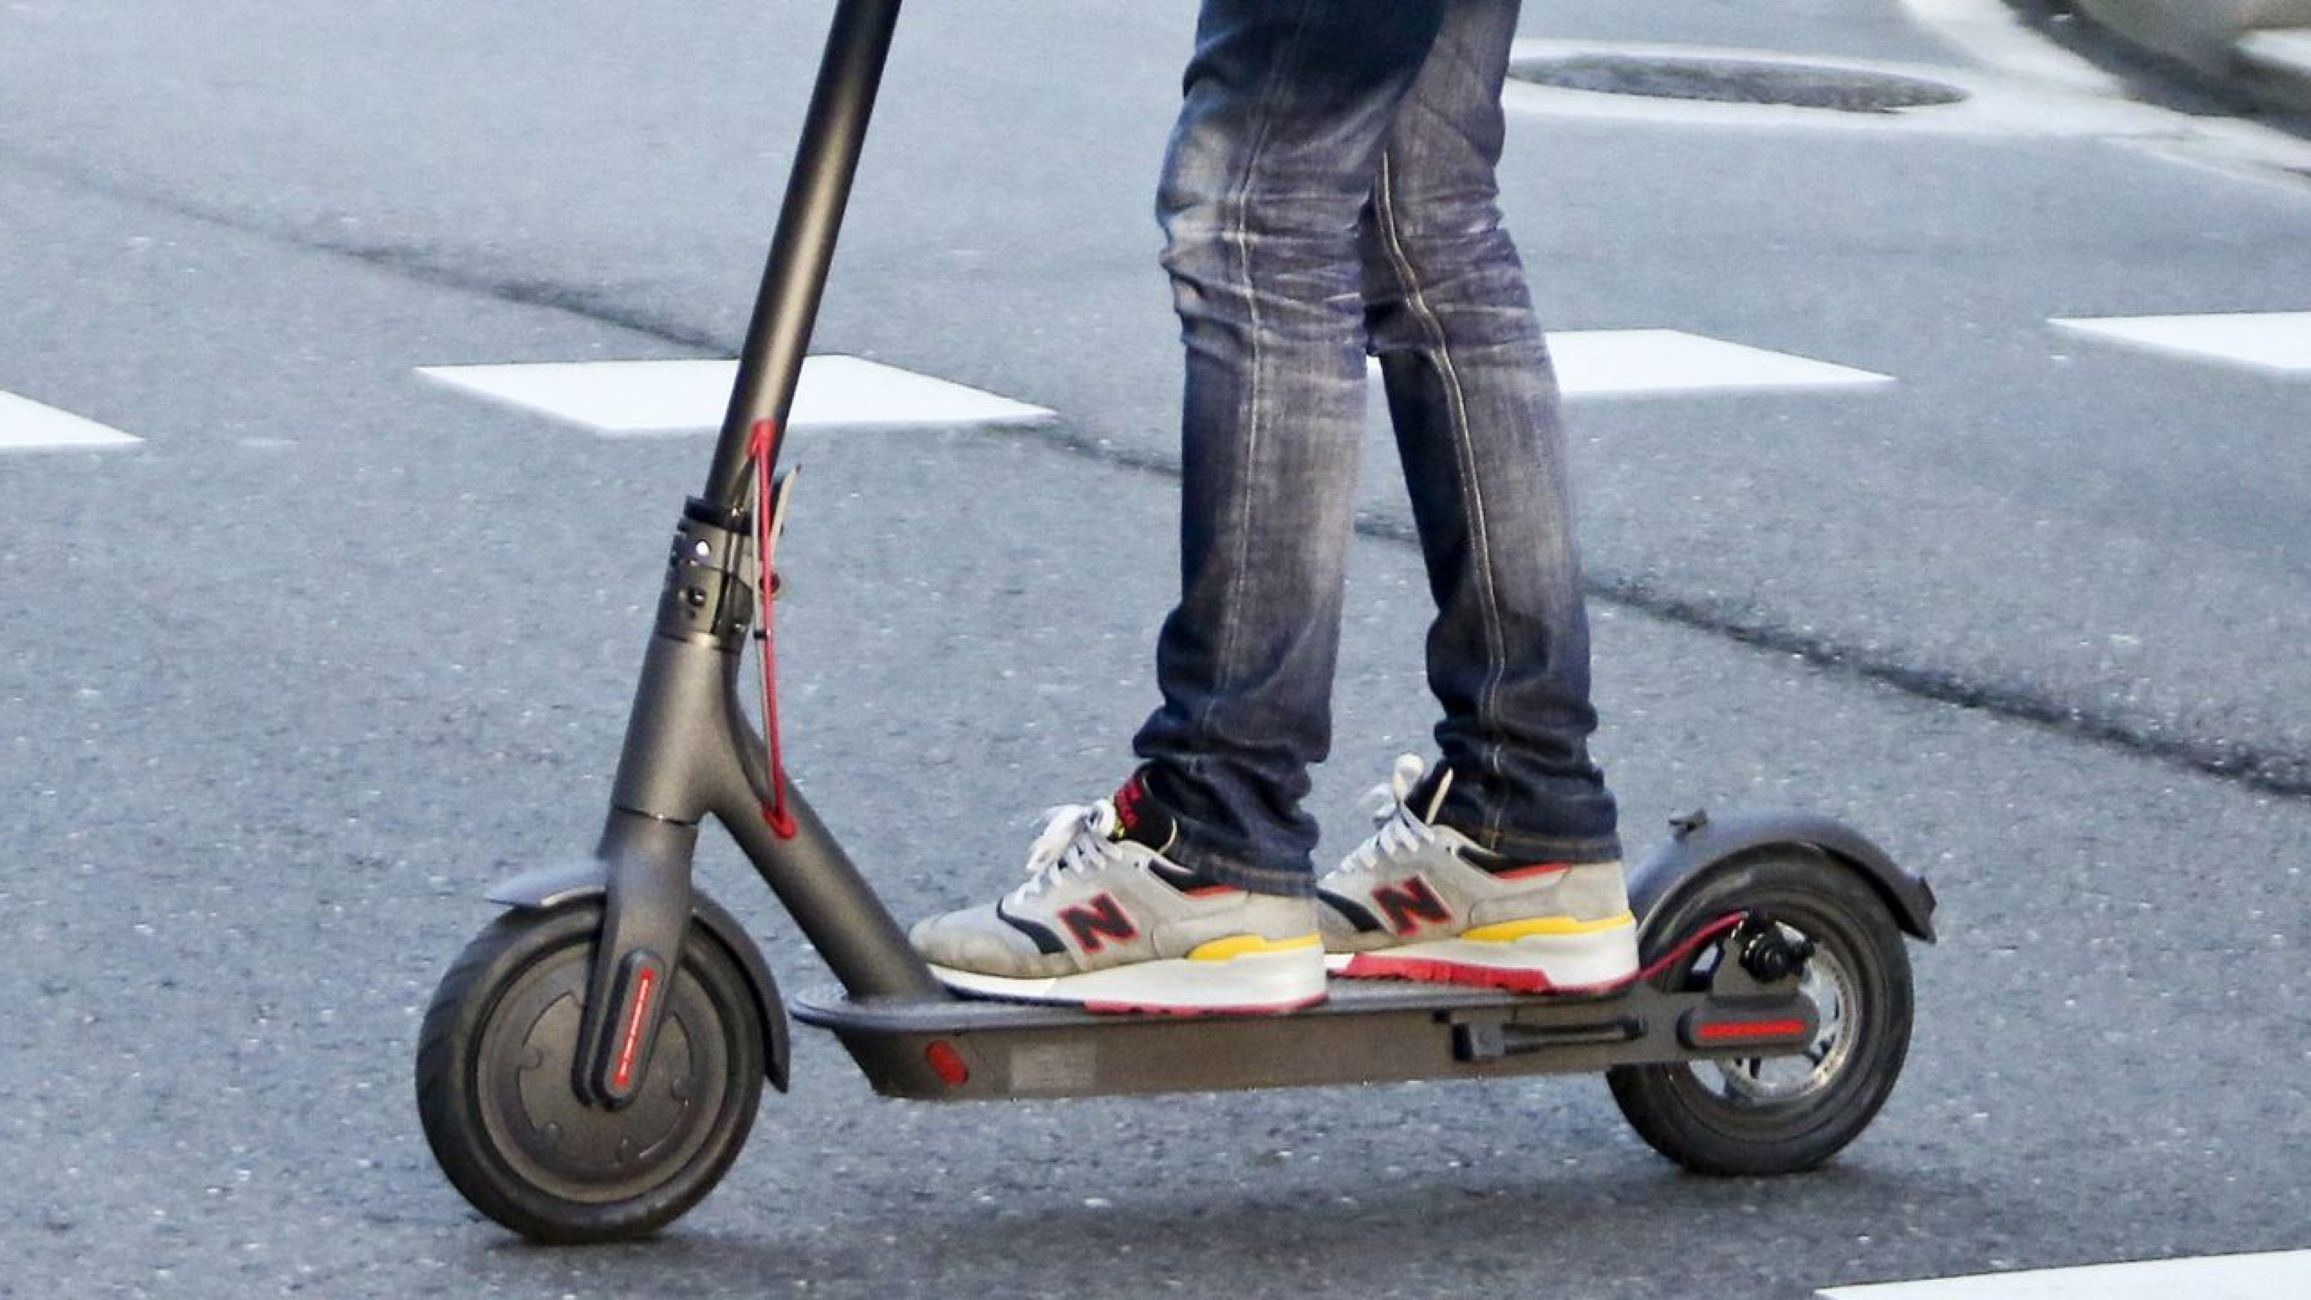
(1737,81)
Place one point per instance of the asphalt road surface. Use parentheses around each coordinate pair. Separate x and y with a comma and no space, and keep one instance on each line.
(290,678)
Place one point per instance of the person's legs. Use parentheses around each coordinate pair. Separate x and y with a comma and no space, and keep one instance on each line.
(1501,868)
(1188,890)
(1288,103)
(1474,403)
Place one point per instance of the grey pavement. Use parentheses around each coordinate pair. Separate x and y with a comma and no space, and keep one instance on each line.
(285,687)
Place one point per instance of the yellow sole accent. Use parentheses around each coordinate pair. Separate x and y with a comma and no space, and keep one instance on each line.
(1511,931)
(1245,945)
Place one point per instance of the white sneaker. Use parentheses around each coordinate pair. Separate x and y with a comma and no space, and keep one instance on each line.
(1107,922)
(1421,901)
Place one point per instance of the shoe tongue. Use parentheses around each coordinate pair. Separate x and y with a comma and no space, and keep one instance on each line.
(1427,798)
(1141,819)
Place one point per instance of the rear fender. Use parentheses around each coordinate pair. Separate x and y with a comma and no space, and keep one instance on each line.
(1702,842)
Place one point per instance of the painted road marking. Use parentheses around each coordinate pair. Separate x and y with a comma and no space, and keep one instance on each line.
(2284,1275)
(663,397)
(2277,340)
(624,398)
(1639,363)
(26,425)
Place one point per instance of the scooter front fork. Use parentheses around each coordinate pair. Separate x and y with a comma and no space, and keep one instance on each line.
(644,921)
(676,739)
(691,751)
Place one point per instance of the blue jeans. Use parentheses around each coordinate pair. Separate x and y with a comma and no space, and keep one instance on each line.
(1329,192)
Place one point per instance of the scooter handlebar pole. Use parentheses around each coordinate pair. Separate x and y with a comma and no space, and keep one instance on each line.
(818,189)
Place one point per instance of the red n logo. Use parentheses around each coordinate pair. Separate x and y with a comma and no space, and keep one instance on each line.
(1094,923)
(1411,903)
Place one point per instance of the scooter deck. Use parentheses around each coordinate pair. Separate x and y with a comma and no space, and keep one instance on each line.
(956,1049)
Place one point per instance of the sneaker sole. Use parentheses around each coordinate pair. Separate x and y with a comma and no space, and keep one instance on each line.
(1254,985)
(1587,963)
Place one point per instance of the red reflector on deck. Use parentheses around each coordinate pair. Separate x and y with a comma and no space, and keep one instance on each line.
(948,1064)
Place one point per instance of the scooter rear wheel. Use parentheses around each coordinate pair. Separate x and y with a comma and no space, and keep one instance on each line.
(495,1093)
(1779,1115)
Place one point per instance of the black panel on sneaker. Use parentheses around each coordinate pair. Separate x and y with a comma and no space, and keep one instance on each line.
(1045,941)
(1143,820)
(1350,910)
(1140,818)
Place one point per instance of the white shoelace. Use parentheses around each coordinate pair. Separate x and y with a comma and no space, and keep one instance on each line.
(1400,830)
(1075,838)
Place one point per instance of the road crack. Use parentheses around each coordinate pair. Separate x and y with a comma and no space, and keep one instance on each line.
(2267,769)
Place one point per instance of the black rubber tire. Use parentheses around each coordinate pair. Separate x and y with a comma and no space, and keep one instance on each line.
(1723,1132)
(494,1094)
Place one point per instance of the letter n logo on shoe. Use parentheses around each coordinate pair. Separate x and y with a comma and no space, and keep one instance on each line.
(1096,922)
(1408,904)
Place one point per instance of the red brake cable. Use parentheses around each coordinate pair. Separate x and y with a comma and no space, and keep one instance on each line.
(1720,926)
(775,811)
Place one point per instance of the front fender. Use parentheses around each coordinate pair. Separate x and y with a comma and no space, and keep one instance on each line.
(1703,841)
(548,888)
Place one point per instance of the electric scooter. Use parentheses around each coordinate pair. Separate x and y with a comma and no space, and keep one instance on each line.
(593,1061)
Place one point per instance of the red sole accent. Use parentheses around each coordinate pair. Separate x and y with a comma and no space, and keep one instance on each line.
(1380,966)
(1427,970)
(1141,1009)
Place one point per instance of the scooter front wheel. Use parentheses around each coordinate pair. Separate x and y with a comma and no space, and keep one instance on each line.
(496,1096)
(1779,1114)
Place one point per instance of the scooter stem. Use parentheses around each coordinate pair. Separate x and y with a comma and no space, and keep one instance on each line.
(817,191)
(688,745)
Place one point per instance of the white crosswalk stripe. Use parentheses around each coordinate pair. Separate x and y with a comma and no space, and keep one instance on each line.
(1644,363)
(2272,341)
(621,398)
(663,397)
(2285,1275)
(26,425)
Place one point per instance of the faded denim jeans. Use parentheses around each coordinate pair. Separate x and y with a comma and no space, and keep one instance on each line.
(1329,192)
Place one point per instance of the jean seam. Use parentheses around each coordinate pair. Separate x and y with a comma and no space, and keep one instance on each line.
(1472,493)
(1240,236)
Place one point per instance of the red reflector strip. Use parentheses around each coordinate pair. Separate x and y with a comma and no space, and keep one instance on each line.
(645,984)
(1741,1031)
(948,1064)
